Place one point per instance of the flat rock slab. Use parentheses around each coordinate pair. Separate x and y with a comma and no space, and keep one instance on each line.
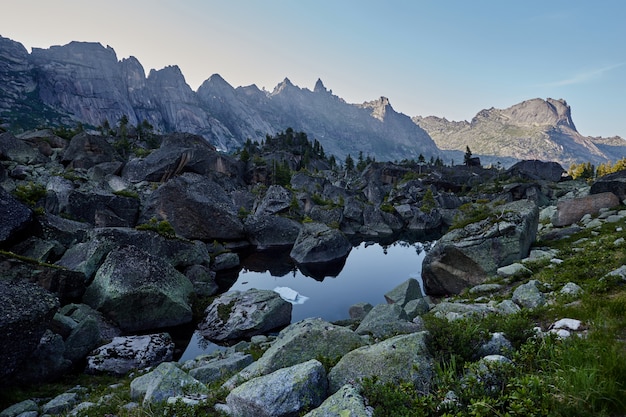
(572,210)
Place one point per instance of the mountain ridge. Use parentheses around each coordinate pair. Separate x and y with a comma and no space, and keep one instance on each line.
(85,82)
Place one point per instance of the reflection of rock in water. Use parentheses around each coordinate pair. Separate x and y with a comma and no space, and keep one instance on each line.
(276,261)
(319,271)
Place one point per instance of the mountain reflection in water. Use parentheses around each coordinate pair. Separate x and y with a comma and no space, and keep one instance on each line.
(369,271)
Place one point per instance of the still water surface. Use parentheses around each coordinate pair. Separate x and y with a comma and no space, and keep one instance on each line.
(370,271)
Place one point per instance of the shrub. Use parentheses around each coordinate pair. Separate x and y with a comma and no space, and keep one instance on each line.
(30,193)
(163,227)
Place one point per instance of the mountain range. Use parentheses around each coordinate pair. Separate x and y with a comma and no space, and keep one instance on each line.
(84,82)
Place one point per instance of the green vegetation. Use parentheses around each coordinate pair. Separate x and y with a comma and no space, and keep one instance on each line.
(471,213)
(548,376)
(30,193)
(163,227)
(126,193)
(428,201)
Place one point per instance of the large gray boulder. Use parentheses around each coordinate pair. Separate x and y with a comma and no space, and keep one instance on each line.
(179,153)
(614,183)
(85,151)
(213,370)
(235,315)
(68,286)
(405,292)
(166,381)
(126,353)
(87,256)
(399,358)
(318,243)
(347,402)
(140,291)
(276,200)
(283,393)
(17,150)
(15,217)
(466,256)
(537,170)
(46,363)
(299,342)
(385,320)
(103,209)
(196,207)
(26,310)
(271,231)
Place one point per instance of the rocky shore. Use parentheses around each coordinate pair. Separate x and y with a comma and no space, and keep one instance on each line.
(102,251)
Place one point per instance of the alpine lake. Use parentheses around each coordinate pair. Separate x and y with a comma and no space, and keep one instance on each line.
(370,270)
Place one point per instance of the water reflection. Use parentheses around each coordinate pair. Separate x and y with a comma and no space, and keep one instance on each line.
(369,271)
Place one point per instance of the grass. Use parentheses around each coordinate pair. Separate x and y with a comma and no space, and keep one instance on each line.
(578,376)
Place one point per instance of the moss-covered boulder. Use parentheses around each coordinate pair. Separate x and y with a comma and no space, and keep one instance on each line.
(140,291)
(404,357)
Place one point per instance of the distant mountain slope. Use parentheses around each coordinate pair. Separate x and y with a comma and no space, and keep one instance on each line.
(84,82)
(534,129)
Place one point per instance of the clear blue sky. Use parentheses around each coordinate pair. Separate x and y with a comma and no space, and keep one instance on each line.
(444,58)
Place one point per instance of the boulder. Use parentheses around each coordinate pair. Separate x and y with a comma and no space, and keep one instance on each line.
(614,183)
(167,380)
(46,363)
(537,170)
(465,257)
(235,315)
(572,210)
(83,339)
(529,295)
(180,153)
(454,310)
(68,286)
(203,280)
(17,150)
(347,402)
(318,243)
(359,311)
(266,232)
(196,207)
(400,358)
(217,369)
(20,409)
(89,255)
(226,260)
(26,310)
(385,320)
(85,151)
(416,307)
(103,209)
(126,353)
(283,393)
(276,200)
(15,217)
(405,292)
(140,291)
(61,403)
(299,342)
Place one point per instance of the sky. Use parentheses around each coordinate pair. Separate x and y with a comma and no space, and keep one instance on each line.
(440,57)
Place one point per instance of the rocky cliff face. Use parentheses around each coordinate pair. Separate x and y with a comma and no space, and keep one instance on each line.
(534,129)
(85,82)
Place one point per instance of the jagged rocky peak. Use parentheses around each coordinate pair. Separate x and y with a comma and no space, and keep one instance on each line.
(378,107)
(286,85)
(536,112)
(169,77)
(319,87)
(215,84)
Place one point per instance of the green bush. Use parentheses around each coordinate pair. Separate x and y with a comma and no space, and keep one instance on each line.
(163,227)
(30,193)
